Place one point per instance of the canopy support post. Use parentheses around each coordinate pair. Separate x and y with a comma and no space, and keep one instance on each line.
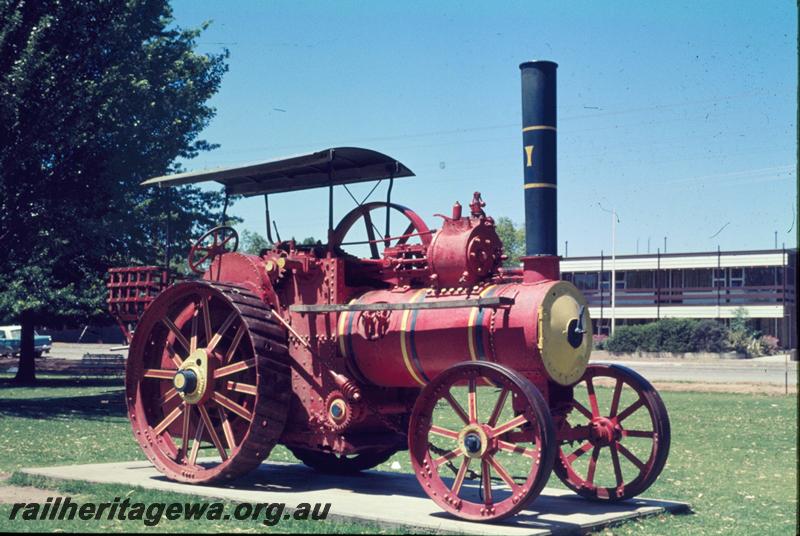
(269,223)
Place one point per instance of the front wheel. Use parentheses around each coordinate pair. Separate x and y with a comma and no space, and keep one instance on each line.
(489,429)
(620,450)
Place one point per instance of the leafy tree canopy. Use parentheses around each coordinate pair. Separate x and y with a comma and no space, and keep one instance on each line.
(513,238)
(95,96)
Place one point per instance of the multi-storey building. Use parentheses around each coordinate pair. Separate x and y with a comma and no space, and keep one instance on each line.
(691,285)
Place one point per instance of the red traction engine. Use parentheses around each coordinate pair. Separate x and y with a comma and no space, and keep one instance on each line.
(427,344)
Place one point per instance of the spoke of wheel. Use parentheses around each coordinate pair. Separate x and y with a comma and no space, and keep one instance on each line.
(226,428)
(486,477)
(462,472)
(444,432)
(580,451)
(234,368)
(592,397)
(519,420)
(456,407)
(615,398)
(212,433)
(498,408)
(160,374)
(516,448)
(220,332)
(593,464)
(631,457)
(637,433)
(580,407)
(373,247)
(245,388)
(187,417)
(444,458)
(472,399)
(173,355)
(198,434)
(235,343)
(232,406)
(169,395)
(630,409)
(404,237)
(206,318)
(193,338)
(169,419)
(175,331)
(498,467)
(615,459)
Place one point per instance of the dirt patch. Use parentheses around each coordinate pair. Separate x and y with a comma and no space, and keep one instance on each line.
(737,388)
(19,494)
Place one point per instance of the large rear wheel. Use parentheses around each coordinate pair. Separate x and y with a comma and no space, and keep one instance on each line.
(207,382)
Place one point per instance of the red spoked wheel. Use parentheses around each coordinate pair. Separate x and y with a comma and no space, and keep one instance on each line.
(416,230)
(219,240)
(207,382)
(489,430)
(615,442)
(342,464)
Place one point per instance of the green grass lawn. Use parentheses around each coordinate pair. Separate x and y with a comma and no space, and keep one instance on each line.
(733,457)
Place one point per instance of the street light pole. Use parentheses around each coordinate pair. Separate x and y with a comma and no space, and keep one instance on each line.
(614,222)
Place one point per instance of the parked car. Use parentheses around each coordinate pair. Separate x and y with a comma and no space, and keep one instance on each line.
(10,338)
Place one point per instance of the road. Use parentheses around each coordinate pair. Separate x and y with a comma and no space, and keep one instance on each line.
(762,370)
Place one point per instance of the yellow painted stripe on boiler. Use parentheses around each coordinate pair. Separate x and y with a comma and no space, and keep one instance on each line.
(342,327)
(403,344)
(471,326)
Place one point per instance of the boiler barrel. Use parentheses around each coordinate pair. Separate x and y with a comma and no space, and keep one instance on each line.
(408,348)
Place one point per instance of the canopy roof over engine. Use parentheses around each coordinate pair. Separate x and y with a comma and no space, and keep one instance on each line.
(340,165)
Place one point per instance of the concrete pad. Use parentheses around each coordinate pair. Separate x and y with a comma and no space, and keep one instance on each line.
(388,499)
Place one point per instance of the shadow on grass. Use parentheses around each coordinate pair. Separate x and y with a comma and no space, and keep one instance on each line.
(65,381)
(90,406)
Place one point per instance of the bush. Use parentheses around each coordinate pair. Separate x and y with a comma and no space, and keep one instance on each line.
(682,335)
(599,341)
(675,335)
(709,336)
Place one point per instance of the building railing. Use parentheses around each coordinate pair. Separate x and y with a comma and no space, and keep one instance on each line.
(748,295)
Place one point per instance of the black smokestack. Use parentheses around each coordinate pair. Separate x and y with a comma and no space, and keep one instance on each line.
(539,156)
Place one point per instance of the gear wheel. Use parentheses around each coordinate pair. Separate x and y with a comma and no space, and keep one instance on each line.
(339,412)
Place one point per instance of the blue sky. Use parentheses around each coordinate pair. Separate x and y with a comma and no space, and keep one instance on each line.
(682,115)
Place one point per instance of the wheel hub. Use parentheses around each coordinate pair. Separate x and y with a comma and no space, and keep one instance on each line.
(192,378)
(604,431)
(473,441)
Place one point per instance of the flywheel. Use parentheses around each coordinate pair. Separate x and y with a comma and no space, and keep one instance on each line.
(207,382)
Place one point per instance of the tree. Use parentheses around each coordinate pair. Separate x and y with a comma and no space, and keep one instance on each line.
(253,242)
(95,96)
(513,238)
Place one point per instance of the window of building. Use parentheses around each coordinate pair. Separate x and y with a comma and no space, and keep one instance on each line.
(760,276)
(605,282)
(566,276)
(640,279)
(585,280)
(697,278)
(719,277)
(736,277)
(620,280)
